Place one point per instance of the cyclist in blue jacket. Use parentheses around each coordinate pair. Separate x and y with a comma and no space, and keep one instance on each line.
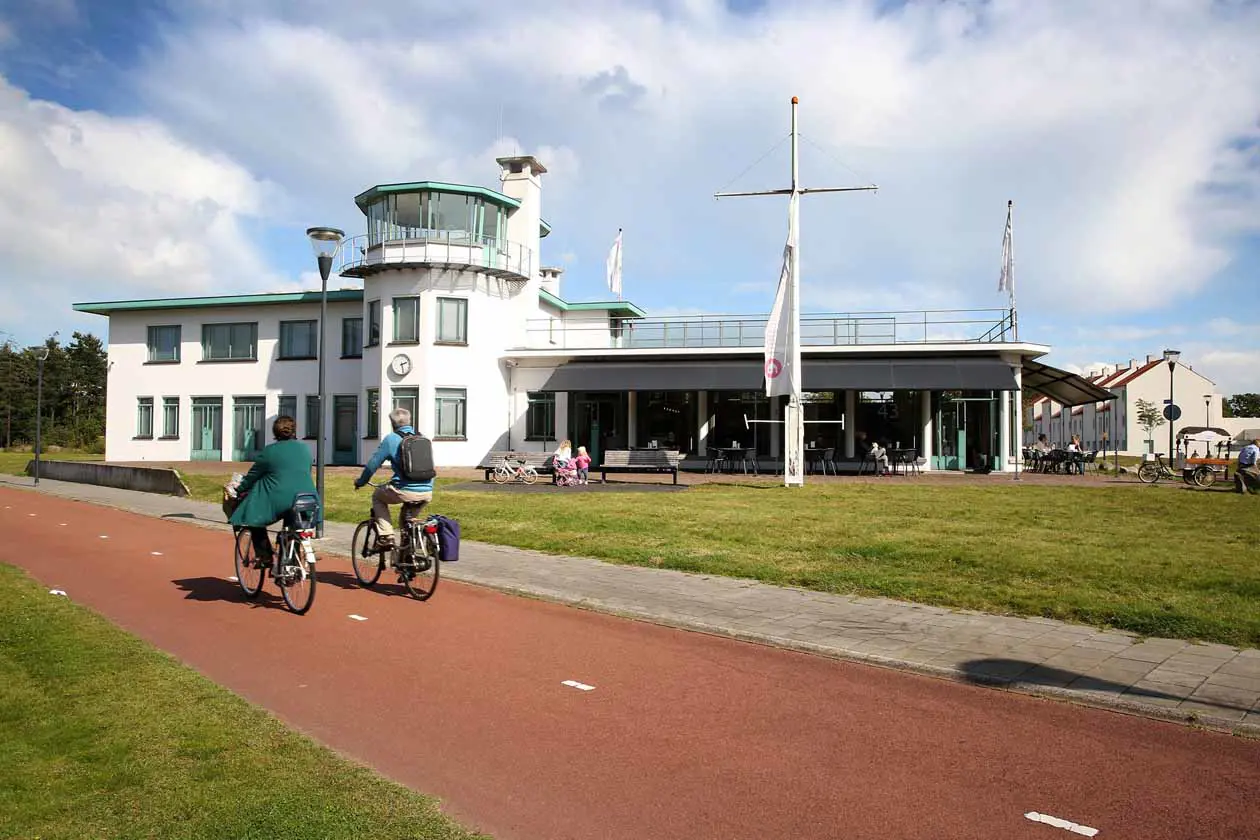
(398,491)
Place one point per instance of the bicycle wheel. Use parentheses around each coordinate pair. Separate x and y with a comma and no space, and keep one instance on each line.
(297,577)
(1148,473)
(529,475)
(366,561)
(249,574)
(421,574)
(500,475)
(1204,476)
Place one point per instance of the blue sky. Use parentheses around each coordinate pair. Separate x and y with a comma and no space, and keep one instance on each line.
(166,148)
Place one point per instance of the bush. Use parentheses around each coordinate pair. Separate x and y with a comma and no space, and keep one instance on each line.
(96,447)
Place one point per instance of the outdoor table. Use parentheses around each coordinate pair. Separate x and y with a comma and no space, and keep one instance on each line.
(733,454)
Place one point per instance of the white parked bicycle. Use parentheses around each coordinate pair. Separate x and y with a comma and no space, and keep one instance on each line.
(509,470)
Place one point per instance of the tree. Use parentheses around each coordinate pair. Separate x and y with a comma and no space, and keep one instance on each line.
(1243,405)
(1149,418)
(73,409)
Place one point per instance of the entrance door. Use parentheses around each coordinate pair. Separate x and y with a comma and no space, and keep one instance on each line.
(593,423)
(207,429)
(345,430)
(951,435)
(247,428)
(967,432)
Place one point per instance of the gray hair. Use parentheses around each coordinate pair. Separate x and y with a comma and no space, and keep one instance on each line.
(400,417)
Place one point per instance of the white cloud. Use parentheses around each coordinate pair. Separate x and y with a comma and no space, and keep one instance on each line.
(96,207)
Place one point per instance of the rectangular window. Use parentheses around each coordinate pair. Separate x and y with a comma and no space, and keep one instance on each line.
(351,338)
(452,325)
(540,417)
(164,344)
(374,323)
(312,417)
(229,342)
(408,398)
(298,339)
(288,407)
(449,405)
(407,319)
(373,412)
(144,417)
(170,417)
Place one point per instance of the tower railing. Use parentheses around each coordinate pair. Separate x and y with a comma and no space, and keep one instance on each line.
(362,255)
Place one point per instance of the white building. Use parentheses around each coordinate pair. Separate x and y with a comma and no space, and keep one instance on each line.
(1116,425)
(457,319)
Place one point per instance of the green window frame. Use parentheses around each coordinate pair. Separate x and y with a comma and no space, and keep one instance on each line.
(406,319)
(299,340)
(170,418)
(452,320)
(163,342)
(351,338)
(450,413)
(408,398)
(288,407)
(312,416)
(374,323)
(229,342)
(373,413)
(540,416)
(144,417)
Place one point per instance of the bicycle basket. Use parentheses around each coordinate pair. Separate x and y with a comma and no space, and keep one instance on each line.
(306,509)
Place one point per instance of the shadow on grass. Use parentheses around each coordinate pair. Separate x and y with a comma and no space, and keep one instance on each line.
(1021,674)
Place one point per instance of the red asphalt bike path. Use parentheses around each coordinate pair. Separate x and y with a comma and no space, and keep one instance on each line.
(684,735)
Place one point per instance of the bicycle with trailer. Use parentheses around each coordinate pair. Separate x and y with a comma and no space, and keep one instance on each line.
(416,558)
(293,563)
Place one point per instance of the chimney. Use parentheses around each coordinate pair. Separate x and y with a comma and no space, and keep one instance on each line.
(521,178)
(551,279)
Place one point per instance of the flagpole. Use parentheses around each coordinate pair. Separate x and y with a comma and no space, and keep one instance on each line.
(620,245)
(1010,214)
(794,430)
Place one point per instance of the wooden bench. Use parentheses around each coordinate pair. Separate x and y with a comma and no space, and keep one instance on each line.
(540,461)
(640,461)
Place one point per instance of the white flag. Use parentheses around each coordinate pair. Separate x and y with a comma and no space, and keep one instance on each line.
(783,349)
(1006,281)
(614,267)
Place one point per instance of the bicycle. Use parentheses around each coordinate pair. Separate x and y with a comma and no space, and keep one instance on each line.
(294,565)
(519,470)
(1150,472)
(415,559)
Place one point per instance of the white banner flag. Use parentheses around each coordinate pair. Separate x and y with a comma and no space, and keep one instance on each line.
(783,349)
(1006,281)
(614,267)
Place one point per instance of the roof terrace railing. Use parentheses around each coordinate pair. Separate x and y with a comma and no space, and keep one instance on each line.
(986,326)
(360,255)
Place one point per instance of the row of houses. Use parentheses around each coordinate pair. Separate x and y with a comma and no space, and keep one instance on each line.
(1115,425)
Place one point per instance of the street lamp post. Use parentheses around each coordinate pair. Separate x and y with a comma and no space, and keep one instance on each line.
(1171,356)
(1207,409)
(39,407)
(325,241)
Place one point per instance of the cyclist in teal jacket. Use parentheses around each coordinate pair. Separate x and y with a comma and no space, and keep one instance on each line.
(398,490)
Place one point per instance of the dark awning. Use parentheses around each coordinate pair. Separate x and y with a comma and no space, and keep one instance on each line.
(820,375)
(1063,387)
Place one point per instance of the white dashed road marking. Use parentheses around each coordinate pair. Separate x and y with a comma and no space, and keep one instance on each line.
(30,514)
(579,686)
(104,536)
(156,553)
(63,525)
(358,617)
(1066,825)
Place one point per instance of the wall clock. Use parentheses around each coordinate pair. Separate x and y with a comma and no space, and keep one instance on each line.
(400,365)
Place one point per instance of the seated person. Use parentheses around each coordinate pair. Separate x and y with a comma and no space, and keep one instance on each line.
(279,474)
(873,451)
(398,490)
(563,453)
(1042,445)
(1247,478)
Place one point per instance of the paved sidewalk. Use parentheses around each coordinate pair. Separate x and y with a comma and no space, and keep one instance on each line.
(1214,685)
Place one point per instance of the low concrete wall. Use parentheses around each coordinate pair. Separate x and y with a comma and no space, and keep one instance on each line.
(144,479)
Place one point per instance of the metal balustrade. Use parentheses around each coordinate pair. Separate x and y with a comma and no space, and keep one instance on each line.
(363,255)
(739,331)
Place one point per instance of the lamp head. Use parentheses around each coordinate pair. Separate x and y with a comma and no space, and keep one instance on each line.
(325,241)
(1171,356)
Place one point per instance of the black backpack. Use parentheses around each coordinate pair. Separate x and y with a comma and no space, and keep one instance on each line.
(415,459)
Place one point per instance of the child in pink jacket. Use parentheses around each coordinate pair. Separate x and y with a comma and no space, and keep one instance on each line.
(583,463)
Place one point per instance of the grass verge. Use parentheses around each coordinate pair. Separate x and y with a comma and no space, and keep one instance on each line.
(102,736)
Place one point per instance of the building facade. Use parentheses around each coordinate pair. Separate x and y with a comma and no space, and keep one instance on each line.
(452,315)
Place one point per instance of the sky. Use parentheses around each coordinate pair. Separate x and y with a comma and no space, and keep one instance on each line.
(162,148)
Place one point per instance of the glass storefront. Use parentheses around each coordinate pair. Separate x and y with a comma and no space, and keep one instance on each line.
(890,418)
(667,417)
(967,429)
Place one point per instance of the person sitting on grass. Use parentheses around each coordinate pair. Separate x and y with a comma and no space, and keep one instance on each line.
(281,472)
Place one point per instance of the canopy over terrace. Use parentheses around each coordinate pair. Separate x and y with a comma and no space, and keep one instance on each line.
(1067,389)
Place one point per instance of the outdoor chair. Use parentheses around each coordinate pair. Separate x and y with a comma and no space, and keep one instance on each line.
(716,462)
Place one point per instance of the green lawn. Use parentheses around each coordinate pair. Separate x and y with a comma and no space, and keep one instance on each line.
(102,736)
(1159,561)
(14,463)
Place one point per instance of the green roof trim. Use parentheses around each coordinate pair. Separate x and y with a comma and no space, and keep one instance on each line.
(265,299)
(624,307)
(546,228)
(334,296)
(366,197)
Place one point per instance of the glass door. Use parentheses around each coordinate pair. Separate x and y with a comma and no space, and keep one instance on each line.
(207,429)
(247,428)
(345,430)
